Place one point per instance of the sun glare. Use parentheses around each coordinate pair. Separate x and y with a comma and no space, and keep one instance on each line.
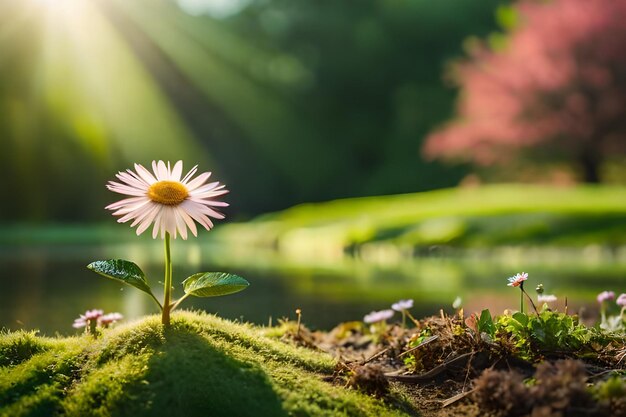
(56,4)
(59,10)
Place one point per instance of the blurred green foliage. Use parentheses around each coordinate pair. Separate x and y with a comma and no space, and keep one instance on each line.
(285,101)
(485,217)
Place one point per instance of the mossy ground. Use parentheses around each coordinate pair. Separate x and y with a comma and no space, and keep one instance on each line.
(206,366)
(200,366)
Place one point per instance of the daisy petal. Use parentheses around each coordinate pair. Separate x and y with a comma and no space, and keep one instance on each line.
(198,181)
(215,203)
(137,177)
(163,171)
(125,202)
(155,170)
(145,174)
(177,171)
(180,225)
(142,213)
(204,188)
(190,174)
(130,180)
(189,221)
(157,226)
(147,219)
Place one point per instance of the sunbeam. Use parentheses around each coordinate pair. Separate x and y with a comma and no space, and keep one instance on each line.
(95,84)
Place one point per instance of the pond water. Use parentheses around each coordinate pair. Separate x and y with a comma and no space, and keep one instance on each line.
(45,287)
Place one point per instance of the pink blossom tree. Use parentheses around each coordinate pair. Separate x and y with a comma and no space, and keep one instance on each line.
(556,89)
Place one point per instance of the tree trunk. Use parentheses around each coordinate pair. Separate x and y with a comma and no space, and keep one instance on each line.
(590,163)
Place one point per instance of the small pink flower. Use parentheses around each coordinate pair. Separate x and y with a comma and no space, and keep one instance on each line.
(110,318)
(402,305)
(80,322)
(606,296)
(376,316)
(90,316)
(93,314)
(621,300)
(517,279)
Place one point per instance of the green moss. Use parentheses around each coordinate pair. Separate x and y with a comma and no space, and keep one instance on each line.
(200,366)
(20,346)
(41,403)
(48,371)
(113,389)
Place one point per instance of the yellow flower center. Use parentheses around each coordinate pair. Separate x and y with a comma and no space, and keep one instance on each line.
(170,193)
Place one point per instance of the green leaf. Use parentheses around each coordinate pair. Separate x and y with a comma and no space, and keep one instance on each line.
(124,271)
(521,318)
(485,323)
(214,284)
(513,326)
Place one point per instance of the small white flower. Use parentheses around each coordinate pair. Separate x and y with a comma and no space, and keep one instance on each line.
(547,298)
(163,198)
(621,300)
(376,316)
(402,305)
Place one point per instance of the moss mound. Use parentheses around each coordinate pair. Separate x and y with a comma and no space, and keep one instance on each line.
(200,366)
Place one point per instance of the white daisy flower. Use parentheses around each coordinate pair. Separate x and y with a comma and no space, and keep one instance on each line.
(167,201)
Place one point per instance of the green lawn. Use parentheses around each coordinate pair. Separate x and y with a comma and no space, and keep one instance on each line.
(460,217)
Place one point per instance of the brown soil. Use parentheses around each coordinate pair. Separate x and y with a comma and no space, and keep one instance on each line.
(440,367)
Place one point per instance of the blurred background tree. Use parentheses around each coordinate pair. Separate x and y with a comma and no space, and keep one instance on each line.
(553,88)
(285,101)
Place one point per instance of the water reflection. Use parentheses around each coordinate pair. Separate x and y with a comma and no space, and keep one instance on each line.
(47,287)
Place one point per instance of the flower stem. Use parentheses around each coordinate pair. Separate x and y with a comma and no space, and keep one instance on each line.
(521,299)
(91,327)
(602,313)
(532,303)
(167,290)
(417,323)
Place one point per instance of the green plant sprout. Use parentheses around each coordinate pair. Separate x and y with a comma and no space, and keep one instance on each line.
(173,205)
(530,337)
